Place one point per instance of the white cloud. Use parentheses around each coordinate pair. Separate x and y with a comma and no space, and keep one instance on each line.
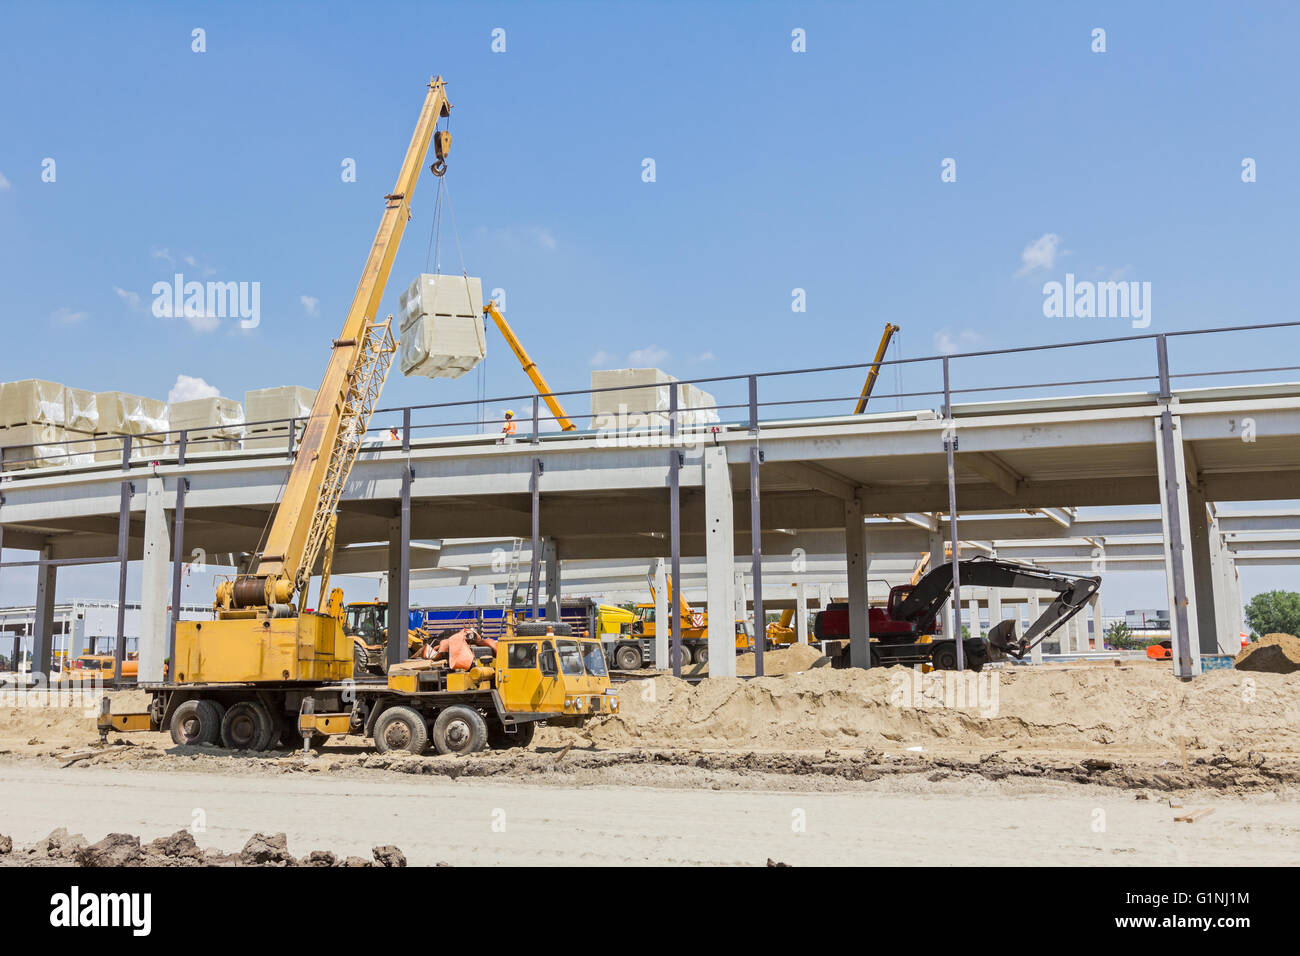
(946,341)
(132,299)
(310,303)
(68,316)
(650,356)
(1039,254)
(202,321)
(600,358)
(4,183)
(159,253)
(188,387)
(703,357)
(545,239)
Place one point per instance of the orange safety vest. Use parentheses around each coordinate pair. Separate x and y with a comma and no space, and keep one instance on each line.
(510,427)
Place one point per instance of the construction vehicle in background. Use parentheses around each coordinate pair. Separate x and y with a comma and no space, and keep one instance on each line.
(874,372)
(907,630)
(366,624)
(267,670)
(635,648)
(781,632)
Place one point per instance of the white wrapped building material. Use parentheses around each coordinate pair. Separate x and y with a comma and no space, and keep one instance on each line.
(213,424)
(44,446)
(108,447)
(80,410)
(441,332)
(277,404)
(32,402)
(268,411)
(121,413)
(642,400)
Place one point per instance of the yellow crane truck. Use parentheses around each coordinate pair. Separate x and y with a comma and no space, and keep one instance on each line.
(269,670)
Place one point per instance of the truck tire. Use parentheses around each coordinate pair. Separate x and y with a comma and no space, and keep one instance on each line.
(538,629)
(360,661)
(247,726)
(195,722)
(459,730)
(401,728)
(700,654)
(628,657)
(944,657)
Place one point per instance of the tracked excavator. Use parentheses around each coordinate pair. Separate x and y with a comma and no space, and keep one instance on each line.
(907,630)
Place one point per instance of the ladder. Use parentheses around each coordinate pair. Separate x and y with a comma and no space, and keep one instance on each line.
(512,583)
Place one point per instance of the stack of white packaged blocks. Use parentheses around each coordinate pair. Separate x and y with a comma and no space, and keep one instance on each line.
(211,424)
(641,400)
(120,414)
(45,424)
(441,334)
(268,411)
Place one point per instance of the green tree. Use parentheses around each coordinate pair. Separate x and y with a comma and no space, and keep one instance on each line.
(1274,612)
(1120,637)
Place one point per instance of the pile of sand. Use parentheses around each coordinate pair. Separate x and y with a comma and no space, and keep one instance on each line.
(787,660)
(1272,654)
(1138,709)
(45,720)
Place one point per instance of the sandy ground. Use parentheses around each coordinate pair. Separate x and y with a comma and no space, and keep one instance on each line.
(906,820)
(1065,765)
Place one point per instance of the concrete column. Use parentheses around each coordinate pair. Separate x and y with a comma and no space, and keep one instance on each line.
(720,561)
(1035,655)
(554,588)
(1174,502)
(1238,609)
(154,585)
(1098,623)
(801,613)
(973,615)
(1202,530)
(995,607)
(855,551)
(663,621)
(43,630)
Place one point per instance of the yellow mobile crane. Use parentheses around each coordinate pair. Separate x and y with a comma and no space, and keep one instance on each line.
(242,677)
(530,367)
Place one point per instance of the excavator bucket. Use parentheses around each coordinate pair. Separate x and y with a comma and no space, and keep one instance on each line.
(1003,637)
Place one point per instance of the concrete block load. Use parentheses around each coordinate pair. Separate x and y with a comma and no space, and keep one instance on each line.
(441,333)
(642,400)
(121,413)
(212,424)
(275,405)
(45,424)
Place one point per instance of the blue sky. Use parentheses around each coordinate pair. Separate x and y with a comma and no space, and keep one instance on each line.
(775,170)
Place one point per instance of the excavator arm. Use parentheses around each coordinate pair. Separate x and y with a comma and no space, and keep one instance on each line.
(1072,593)
(358,364)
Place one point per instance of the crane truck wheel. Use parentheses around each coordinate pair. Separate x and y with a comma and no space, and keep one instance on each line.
(195,722)
(459,730)
(247,726)
(401,728)
(700,653)
(628,657)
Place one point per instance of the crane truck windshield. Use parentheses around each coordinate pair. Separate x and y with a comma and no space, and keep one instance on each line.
(594,657)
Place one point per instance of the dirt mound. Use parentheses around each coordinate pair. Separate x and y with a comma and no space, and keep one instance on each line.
(1271,654)
(124,849)
(43,720)
(787,660)
(1138,709)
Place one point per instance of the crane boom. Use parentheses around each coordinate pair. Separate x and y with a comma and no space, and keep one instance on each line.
(358,365)
(874,371)
(530,367)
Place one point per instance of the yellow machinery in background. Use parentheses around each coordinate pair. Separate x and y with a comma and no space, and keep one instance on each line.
(530,367)
(869,385)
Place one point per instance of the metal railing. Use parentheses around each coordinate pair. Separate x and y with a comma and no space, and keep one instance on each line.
(748,400)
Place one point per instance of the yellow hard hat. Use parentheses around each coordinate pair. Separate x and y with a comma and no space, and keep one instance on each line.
(509,413)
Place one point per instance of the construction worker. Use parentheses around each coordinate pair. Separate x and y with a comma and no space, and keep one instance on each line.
(508,430)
